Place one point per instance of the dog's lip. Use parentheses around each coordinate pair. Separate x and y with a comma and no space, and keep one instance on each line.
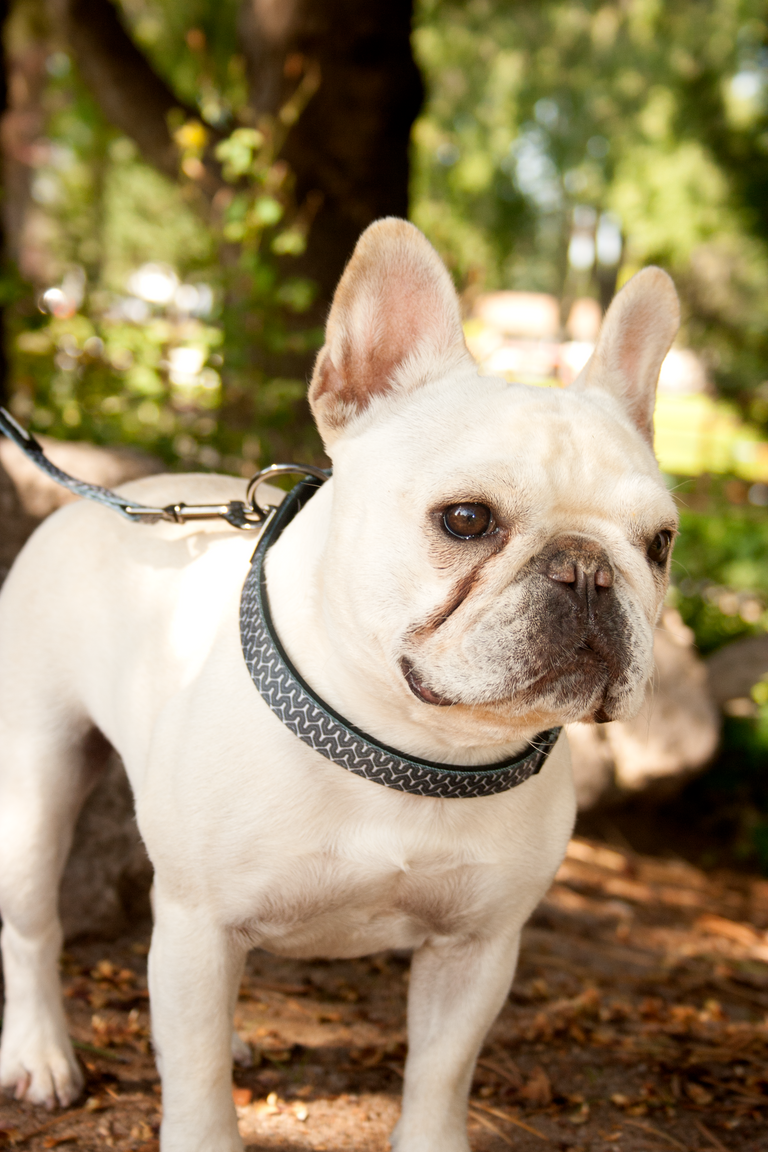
(584,656)
(588,654)
(419,689)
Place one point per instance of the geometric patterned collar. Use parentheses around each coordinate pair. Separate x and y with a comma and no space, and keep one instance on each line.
(315,722)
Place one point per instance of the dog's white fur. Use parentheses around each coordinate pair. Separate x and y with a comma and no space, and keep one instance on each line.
(255,839)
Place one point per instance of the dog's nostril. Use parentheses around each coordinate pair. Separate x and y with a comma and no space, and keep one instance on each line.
(578,566)
(563,573)
(604,578)
(580,578)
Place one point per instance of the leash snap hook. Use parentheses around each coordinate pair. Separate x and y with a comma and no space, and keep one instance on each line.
(271,472)
(247,515)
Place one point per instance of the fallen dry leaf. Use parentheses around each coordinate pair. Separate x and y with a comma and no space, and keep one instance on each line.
(537,1089)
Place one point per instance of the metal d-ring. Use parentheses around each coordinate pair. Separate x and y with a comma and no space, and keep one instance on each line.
(270,473)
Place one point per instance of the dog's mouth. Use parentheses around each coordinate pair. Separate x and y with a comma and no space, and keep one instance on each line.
(589,664)
(588,671)
(419,689)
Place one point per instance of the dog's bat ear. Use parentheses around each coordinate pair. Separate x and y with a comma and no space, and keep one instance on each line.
(636,335)
(394,324)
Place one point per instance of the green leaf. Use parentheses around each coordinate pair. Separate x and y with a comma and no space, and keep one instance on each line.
(267,211)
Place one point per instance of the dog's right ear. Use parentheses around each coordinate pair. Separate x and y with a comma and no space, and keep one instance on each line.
(394,324)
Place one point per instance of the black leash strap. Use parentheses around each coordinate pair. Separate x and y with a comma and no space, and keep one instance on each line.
(235,512)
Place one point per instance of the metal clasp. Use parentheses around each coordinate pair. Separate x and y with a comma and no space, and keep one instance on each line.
(270,473)
(246,515)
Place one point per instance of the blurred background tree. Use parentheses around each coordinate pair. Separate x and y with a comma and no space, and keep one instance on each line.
(542,114)
(184,185)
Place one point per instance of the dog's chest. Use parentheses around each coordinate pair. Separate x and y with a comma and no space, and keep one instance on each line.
(331,901)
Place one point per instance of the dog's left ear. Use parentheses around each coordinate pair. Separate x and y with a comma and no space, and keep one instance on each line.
(394,324)
(636,335)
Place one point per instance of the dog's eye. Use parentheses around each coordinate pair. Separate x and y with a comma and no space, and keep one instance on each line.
(658,549)
(467,520)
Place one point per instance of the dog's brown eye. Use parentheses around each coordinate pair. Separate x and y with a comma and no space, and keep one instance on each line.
(467,520)
(659,547)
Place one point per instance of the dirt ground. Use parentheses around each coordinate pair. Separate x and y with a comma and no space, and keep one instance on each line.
(638,1022)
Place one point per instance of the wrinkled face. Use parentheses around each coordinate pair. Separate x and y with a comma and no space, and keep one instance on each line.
(511,555)
(499,554)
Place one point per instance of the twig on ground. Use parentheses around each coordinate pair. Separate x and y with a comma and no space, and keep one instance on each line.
(22,1139)
(510,1119)
(500,1070)
(105,1053)
(656,1132)
(486,1123)
(278,986)
(718,1144)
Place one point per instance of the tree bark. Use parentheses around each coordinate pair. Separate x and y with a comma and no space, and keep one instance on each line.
(350,145)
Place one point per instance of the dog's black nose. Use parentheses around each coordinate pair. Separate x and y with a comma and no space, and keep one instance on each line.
(581,569)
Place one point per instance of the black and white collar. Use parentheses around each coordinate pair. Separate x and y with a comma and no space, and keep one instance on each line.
(316,724)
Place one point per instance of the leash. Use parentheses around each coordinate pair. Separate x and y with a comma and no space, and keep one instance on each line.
(247,515)
(284,691)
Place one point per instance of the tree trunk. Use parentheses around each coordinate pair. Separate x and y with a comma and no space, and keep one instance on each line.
(351,143)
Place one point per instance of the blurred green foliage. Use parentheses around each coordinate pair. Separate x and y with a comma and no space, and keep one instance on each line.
(653,113)
(720,588)
(729,803)
(180,371)
(194,46)
(719,570)
(656,113)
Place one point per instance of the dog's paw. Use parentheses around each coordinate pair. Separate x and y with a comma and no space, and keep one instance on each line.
(41,1072)
(241,1051)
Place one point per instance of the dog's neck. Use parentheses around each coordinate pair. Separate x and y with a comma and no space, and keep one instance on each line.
(358,684)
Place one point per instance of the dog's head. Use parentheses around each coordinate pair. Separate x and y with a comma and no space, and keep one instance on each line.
(499,552)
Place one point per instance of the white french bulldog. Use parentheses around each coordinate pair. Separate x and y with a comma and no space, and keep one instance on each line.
(487,562)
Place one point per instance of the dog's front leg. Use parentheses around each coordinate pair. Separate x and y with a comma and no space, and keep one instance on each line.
(194,973)
(457,988)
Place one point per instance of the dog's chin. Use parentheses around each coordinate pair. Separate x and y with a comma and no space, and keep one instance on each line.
(578,694)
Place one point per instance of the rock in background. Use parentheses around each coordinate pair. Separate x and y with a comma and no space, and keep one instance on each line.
(107,878)
(733,672)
